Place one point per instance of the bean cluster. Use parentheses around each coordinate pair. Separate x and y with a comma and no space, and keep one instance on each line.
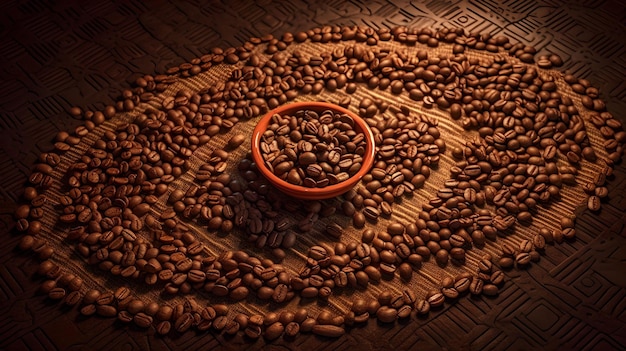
(313,150)
(530,142)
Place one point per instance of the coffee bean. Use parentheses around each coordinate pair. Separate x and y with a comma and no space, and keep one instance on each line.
(232,327)
(121,293)
(371,213)
(328,330)
(525,246)
(395,228)
(106,310)
(593,203)
(236,140)
(26,243)
(142,320)
(73,298)
(497,277)
(220,322)
(422,307)
(317,252)
(164,327)
(506,262)
(366,237)
(450,293)
(386,314)
(309,292)
(522,259)
(184,322)
(442,257)
(280,293)
(567,222)
(358,220)
(88,310)
(274,331)
(334,229)
(253,331)
(373,273)
(490,290)
(476,286)
(292,329)
(239,293)
(601,192)
(569,233)
(462,284)
(436,300)
(56,293)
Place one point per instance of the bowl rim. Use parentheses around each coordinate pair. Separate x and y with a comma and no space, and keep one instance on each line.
(302,191)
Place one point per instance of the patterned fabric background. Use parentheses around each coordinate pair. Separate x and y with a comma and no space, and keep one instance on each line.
(57,55)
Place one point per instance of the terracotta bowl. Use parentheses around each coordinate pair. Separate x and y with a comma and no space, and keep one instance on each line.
(303,192)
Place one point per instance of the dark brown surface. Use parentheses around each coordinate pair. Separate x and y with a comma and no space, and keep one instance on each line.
(72,53)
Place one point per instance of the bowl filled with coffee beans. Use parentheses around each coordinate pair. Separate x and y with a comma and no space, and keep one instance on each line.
(312,150)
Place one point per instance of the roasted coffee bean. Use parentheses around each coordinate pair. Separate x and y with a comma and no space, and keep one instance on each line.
(328,330)
(334,229)
(476,286)
(593,203)
(358,220)
(106,310)
(567,222)
(422,307)
(184,322)
(569,233)
(490,290)
(371,213)
(386,314)
(406,271)
(236,140)
(220,322)
(462,284)
(442,257)
(88,310)
(56,293)
(142,320)
(164,327)
(253,331)
(436,300)
(450,293)
(232,327)
(317,252)
(522,259)
(292,329)
(274,331)
(395,228)
(525,246)
(280,293)
(497,277)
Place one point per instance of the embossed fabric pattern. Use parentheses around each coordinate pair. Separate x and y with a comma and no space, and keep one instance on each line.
(50,66)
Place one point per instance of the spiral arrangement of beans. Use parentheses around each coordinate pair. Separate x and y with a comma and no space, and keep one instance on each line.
(531,141)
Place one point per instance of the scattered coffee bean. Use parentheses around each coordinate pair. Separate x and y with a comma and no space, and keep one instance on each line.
(593,203)
(236,140)
(327,330)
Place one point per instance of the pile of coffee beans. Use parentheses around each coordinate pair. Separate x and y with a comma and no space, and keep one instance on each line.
(406,147)
(528,141)
(313,149)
